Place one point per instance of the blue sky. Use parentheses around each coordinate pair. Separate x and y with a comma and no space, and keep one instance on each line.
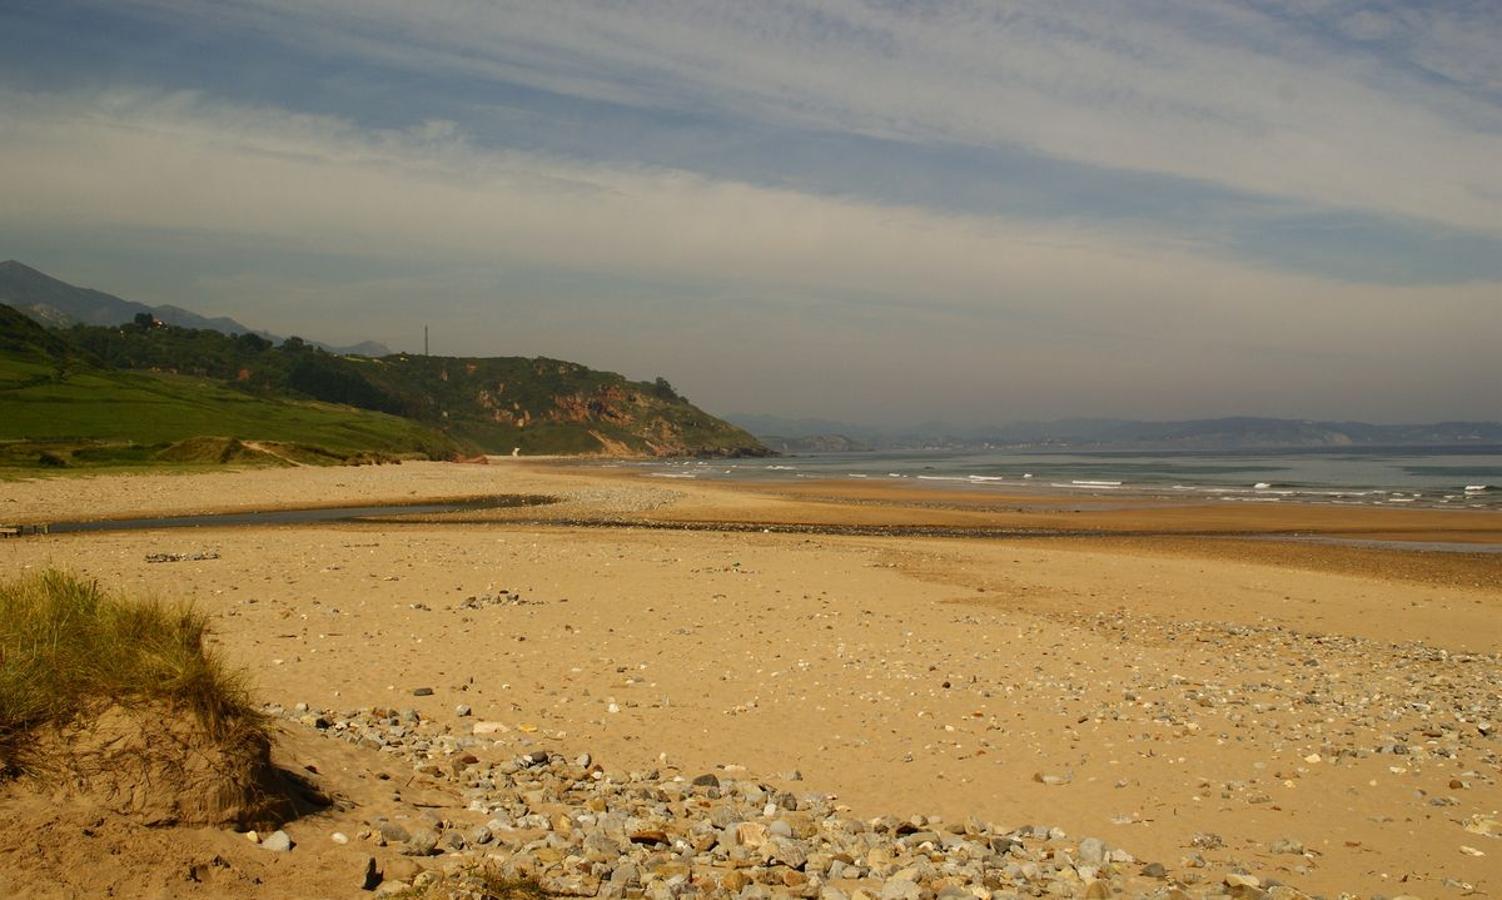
(882,211)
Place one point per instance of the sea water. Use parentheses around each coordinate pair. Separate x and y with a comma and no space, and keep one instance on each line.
(1450,477)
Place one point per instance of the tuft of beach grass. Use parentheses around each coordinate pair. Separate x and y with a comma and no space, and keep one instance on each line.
(68,647)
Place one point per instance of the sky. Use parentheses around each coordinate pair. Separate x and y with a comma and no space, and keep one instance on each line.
(883,212)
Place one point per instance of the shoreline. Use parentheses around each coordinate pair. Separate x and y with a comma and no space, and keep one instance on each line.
(1096,480)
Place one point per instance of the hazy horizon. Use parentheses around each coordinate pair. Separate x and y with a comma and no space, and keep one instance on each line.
(872,212)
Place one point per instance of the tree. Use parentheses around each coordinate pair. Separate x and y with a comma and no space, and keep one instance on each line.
(145,321)
(325,377)
(253,343)
(663,389)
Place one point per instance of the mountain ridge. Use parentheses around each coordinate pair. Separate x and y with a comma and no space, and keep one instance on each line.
(1226,432)
(57,303)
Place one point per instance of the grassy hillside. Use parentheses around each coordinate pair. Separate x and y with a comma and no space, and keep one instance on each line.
(24,341)
(498,404)
(58,409)
(96,395)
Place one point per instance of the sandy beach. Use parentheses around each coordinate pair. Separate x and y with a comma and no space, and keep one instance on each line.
(1160,677)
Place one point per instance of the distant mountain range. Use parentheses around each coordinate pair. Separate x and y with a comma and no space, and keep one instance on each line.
(1241,432)
(812,443)
(58,304)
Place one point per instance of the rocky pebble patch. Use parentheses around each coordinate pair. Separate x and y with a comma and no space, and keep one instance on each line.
(577,828)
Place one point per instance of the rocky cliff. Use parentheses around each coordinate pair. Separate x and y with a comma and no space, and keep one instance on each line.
(552,406)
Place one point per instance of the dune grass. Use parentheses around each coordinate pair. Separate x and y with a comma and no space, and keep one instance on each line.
(68,647)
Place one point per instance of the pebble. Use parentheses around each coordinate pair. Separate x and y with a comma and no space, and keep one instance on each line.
(582,830)
(423,842)
(370,874)
(394,832)
(900,889)
(1092,851)
(277,842)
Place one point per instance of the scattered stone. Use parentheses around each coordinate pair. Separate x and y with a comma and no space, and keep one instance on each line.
(1092,852)
(371,877)
(422,692)
(182,557)
(504,598)
(651,836)
(394,832)
(900,889)
(277,842)
(751,834)
(581,830)
(423,842)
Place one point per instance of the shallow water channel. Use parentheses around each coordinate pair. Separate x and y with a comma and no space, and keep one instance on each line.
(304,516)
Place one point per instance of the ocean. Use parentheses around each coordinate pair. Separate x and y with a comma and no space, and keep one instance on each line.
(1458,477)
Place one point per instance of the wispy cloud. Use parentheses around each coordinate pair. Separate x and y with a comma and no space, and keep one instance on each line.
(1241,95)
(908,280)
(852,208)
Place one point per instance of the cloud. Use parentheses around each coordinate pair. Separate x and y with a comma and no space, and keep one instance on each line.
(1218,92)
(1338,125)
(770,279)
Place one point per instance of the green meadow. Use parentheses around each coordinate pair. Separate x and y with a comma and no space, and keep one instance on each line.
(93,418)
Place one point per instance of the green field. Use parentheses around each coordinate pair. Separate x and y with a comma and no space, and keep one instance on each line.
(102,417)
